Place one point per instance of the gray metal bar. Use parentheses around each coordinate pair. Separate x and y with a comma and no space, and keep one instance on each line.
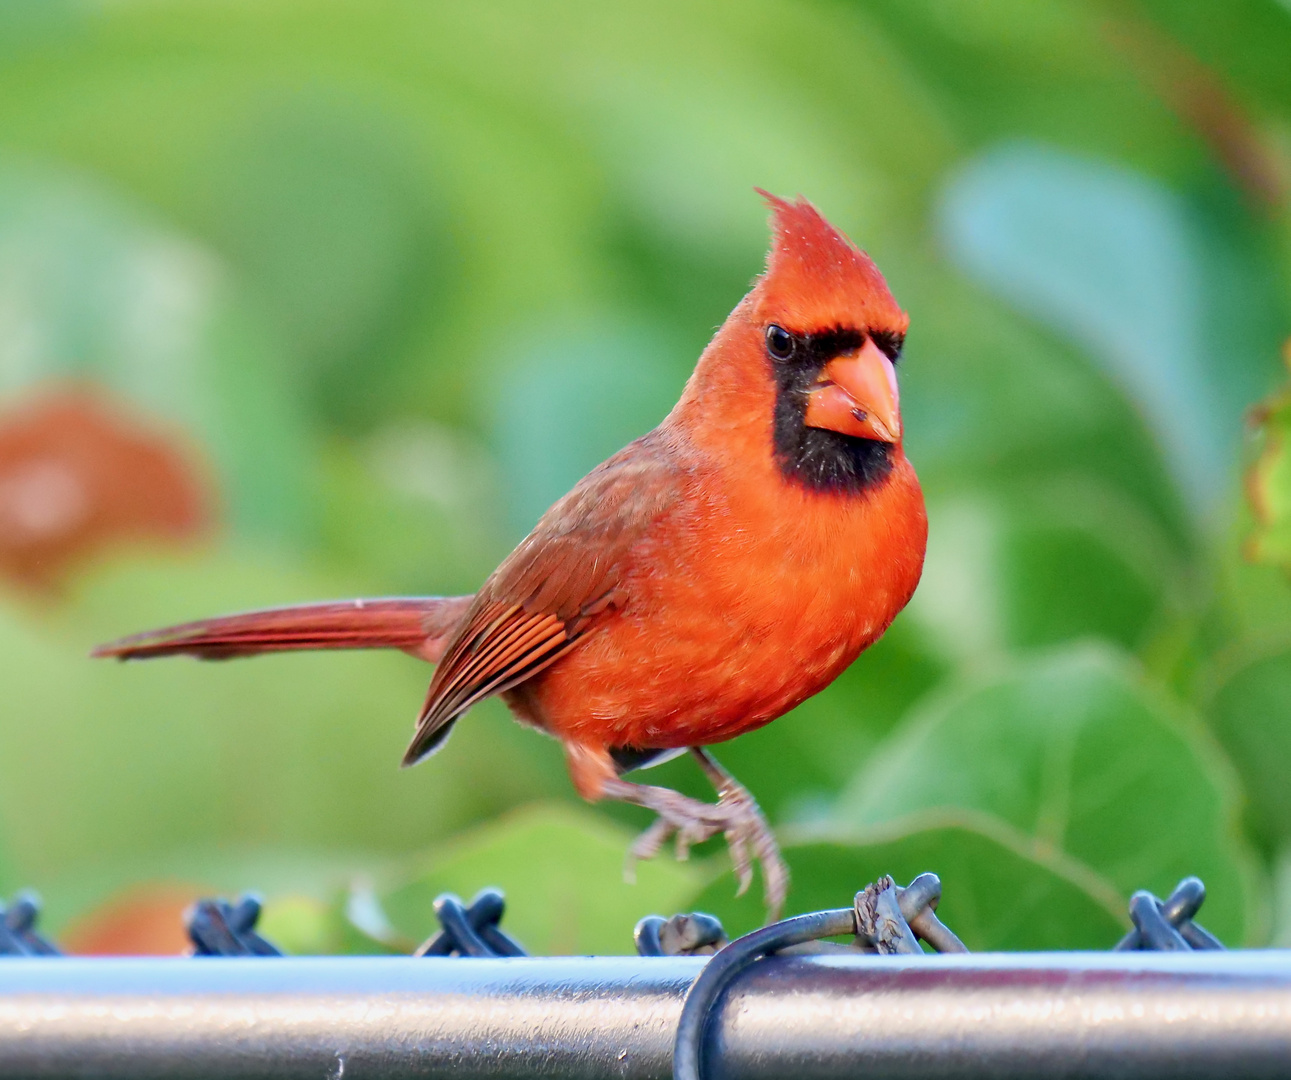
(1128,1014)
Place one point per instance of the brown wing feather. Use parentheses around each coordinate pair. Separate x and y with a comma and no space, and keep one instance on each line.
(545,595)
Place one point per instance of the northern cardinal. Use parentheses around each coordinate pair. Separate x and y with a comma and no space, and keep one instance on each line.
(703,581)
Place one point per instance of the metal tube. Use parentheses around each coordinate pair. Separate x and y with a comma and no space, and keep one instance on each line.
(1129,1014)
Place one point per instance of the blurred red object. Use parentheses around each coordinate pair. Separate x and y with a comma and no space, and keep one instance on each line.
(147,920)
(80,474)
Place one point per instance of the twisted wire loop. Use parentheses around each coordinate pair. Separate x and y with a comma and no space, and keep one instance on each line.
(471,929)
(884,918)
(891,919)
(1167,926)
(18,935)
(695,934)
(218,928)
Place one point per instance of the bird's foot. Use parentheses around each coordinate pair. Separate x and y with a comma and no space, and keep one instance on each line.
(735,815)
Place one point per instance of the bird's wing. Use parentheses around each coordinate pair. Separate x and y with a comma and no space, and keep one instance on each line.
(545,595)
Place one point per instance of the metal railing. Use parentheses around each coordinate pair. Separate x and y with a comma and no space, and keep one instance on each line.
(468,1006)
(978,1015)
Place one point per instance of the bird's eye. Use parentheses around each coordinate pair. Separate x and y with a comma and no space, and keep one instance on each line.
(780,343)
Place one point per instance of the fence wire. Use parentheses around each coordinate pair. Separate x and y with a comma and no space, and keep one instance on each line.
(885,919)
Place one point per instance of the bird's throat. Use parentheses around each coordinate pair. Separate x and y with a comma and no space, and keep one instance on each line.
(820,459)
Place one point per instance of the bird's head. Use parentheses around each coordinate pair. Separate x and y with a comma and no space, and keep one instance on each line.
(829,333)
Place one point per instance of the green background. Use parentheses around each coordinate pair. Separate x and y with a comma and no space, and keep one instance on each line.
(399,273)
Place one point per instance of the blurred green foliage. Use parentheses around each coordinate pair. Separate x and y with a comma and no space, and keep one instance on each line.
(401,272)
(1006,897)
(1269,480)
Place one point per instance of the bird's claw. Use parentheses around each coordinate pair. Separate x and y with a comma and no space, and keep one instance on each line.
(750,840)
(737,817)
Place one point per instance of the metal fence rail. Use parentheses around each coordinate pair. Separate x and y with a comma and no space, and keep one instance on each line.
(1126,1014)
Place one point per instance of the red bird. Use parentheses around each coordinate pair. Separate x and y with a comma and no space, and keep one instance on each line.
(700,583)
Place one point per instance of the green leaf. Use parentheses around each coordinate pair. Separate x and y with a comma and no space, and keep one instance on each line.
(995,407)
(1246,47)
(299,925)
(562,871)
(1268,482)
(998,891)
(7,882)
(1117,263)
(1047,561)
(1249,710)
(1074,751)
(1077,559)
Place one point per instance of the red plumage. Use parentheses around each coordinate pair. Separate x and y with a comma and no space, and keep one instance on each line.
(419,625)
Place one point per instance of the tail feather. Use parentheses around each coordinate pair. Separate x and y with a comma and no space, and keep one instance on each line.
(419,625)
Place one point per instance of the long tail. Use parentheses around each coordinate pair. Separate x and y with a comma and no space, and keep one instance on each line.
(418,625)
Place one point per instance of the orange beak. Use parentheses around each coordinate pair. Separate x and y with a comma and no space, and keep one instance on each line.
(856,394)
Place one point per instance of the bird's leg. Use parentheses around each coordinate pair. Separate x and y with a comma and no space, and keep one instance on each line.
(735,815)
(751,831)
